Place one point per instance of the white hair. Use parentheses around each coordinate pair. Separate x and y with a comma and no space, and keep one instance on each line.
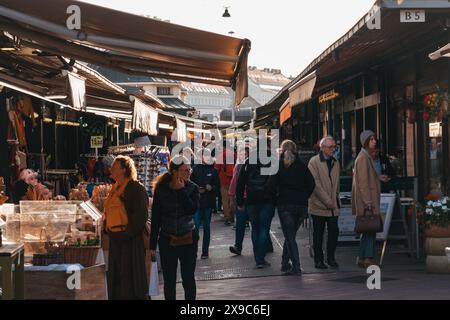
(324,139)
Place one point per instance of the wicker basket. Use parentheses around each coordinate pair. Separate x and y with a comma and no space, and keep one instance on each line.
(86,256)
(55,257)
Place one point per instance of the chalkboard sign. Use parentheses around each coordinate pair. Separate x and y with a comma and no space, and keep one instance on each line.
(346,219)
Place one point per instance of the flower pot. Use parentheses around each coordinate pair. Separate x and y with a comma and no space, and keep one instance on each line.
(438,264)
(436,246)
(436,231)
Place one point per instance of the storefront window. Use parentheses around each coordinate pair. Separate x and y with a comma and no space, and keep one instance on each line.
(435,157)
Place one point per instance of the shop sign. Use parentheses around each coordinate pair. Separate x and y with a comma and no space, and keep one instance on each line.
(435,130)
(330,95)
(407,16)
(96,142)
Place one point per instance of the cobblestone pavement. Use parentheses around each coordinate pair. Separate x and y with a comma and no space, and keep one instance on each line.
(226,276)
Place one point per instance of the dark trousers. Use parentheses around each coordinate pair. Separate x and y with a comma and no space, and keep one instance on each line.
(169,264)
(333,233)
(291,217)
(203,217)
(241,220)
(260,218)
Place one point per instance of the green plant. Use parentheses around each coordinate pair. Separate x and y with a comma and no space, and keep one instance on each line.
(436,211)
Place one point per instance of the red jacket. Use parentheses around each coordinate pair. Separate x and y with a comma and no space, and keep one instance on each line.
(225,170)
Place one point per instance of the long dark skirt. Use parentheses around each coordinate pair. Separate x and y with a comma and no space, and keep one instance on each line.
(127,279)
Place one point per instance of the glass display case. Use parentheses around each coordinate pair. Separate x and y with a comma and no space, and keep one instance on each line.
(45,220)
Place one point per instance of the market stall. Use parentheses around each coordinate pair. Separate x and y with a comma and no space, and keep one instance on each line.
(57,236)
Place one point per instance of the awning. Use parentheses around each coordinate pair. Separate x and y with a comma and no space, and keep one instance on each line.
(175,104)
(285,111)
(302,90)
(145,119)
(130,43)
(441,53)
(180,133)
(78,90)
(19,88)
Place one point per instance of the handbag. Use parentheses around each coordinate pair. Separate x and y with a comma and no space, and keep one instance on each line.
(368,223)
(183,240)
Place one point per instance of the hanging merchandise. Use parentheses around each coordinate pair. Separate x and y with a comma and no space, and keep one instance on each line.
(25,105)
(150,164)
(90,167)
(150,161)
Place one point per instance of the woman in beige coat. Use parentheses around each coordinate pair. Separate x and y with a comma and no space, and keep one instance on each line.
(366,194)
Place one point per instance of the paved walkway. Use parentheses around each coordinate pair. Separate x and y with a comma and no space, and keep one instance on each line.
(226,276)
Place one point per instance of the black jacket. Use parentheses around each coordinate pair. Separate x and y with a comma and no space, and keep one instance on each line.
(293,185)
(251,181)
(126,251)
(202,175)
(173,210)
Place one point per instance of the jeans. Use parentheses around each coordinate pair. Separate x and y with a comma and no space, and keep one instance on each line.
(169,264)
(260,218)
(241,220)
(203,216)
(367,246)
(318,231)
(291,217)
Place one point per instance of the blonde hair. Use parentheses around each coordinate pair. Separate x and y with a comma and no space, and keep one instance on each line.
(127,164)
(288,151)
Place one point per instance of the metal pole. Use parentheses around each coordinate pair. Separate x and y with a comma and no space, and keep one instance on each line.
(41,156)
(233,108)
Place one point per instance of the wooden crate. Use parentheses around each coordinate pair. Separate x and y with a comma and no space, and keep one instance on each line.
(52,285)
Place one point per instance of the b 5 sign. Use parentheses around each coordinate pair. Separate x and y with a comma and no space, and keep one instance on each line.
(412,16)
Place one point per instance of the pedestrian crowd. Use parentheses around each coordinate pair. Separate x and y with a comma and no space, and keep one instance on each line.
(251,192)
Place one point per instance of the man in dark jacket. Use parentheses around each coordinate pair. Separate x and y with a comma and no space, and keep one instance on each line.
(207,180)
(259,203)
(291,186)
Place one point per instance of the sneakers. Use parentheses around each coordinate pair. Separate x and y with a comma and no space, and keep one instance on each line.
(333,264)
(296,272)
(320,265)
(265,264)
(234,250)
(286,267)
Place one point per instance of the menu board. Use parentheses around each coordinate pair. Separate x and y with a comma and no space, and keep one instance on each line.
(346,221)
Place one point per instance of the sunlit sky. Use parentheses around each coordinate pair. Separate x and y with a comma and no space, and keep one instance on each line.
(285,34)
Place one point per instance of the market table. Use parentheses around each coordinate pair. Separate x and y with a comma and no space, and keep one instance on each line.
(12,254)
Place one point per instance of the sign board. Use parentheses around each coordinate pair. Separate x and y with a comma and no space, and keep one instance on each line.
(96,142)
(346,219)
(330,95)
(435,130)
(407,16)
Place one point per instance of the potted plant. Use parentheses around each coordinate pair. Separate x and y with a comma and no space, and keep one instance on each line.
(436,222)
(436,217)
(436,105)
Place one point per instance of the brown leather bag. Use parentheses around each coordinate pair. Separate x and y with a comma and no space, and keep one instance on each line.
(183,240)
(368,222)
